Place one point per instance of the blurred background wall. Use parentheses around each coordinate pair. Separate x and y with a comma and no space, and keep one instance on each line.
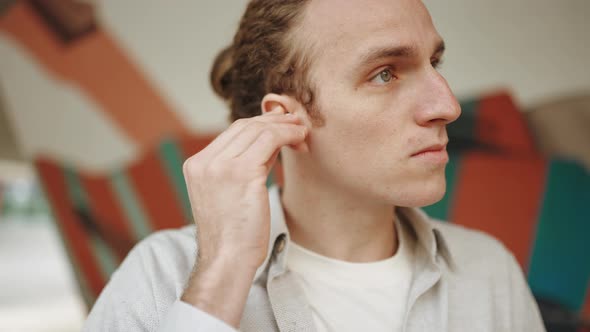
(97,83)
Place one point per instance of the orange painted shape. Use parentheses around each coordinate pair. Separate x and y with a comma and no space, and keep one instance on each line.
(108,214)
(102,70)
(501,196)
(77,241)
(156,192)
(501,123)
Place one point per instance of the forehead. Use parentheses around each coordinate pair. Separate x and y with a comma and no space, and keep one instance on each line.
(347,28)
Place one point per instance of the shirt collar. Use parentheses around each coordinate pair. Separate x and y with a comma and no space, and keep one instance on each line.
(428,236)
(420,226)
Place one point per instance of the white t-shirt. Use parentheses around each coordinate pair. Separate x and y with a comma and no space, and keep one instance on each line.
(346,296)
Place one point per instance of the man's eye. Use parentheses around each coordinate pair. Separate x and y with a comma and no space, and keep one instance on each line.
(383,77)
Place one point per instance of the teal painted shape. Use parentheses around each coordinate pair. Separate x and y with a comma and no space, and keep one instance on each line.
(105,255)
(270,180)
(442,209)
(461,134)
(102,252)
(172,159)
(560,263)
(76,193)
(464,127)
(131,206)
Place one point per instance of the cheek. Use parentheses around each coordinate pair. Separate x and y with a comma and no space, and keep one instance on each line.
(364,130)
(360,134)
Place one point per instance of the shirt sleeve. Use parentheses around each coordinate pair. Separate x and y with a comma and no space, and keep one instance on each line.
(183,317)
(525,311)
(143,293)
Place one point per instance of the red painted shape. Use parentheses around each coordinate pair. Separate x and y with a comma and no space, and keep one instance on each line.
(191,145)
(77,241)
(156,193)
(501,195)
(586,308)
(108,215)
(500,123)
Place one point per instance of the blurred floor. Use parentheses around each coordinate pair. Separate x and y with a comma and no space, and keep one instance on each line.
(37,287)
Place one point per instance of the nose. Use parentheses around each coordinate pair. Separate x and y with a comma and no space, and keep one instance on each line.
(438,104)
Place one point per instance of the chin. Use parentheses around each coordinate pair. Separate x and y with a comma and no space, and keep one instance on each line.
(430,198)
(420,194)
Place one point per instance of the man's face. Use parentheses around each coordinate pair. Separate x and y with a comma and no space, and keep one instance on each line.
(381,97)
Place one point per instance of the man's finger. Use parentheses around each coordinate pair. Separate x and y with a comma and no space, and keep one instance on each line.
(242,141)
(226,137)
(268,142)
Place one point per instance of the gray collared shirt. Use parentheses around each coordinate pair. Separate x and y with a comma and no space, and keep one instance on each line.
(463,280)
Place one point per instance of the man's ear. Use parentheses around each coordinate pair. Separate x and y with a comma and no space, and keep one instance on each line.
(272,102)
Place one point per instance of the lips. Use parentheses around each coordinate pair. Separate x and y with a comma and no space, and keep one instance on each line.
(432,148)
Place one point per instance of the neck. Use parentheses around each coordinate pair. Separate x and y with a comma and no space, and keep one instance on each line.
(335,223)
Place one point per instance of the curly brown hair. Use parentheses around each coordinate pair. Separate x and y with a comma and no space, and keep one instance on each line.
(265,57)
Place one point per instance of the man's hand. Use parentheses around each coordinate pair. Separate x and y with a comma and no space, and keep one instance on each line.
(227,188)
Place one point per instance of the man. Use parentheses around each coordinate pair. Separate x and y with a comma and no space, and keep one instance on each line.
(351,97)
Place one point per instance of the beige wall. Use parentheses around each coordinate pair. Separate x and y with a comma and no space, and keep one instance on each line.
(539,48)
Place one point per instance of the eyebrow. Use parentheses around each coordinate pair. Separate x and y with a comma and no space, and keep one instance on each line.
(379,53)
